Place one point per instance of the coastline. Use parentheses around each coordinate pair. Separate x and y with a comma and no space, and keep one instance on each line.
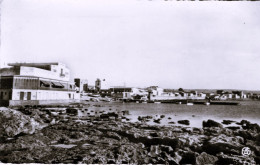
(46,135)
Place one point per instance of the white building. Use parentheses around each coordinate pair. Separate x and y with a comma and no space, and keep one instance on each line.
(36,83)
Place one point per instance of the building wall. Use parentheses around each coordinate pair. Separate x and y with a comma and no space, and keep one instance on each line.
(58,72)
(30,94)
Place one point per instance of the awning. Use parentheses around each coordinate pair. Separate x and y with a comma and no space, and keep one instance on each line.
(57,85)
(45,83)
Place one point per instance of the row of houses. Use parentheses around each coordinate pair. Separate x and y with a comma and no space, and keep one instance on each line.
(157,93)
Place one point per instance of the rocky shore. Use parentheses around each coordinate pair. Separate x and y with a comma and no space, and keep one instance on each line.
(60,135)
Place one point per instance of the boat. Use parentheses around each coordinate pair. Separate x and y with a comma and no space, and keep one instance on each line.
(189,103)
(157,102)
(207,103)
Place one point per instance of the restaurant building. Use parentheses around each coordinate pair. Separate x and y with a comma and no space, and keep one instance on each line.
(36,84)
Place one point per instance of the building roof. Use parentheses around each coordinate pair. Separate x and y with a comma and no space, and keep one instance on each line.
(33,64)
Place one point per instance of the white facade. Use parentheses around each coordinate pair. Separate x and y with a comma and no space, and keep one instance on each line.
(43,95)
(25,82)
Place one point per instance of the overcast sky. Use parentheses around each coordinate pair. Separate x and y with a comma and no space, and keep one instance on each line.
(139,43)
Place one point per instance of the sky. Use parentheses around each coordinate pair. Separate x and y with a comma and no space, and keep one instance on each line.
(138,43)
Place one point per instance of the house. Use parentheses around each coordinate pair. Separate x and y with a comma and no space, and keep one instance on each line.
(36,83)
(135,93)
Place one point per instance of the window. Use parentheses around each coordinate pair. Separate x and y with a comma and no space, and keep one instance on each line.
(69,95)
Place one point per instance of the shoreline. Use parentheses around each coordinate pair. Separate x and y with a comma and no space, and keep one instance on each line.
(42,136)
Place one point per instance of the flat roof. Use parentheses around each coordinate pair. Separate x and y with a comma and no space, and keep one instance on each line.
(33,64)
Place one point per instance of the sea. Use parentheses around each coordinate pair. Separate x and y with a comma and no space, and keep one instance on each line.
(196,114)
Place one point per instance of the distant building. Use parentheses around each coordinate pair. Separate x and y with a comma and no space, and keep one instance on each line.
(118,91)
(135,93)
(36,83)
(82,84)
(98,85)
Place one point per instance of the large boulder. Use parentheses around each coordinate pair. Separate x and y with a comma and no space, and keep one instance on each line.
(225,144)
(14,122)
(211,123)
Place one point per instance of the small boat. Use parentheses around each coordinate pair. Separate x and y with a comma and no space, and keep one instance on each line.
(207,103)
(157,102)
(189,103)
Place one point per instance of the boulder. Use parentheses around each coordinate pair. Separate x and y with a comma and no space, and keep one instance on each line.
(211,123)
(249,126)
(223,143)
(227,122)
(14,122)
(205,158)
(185,122)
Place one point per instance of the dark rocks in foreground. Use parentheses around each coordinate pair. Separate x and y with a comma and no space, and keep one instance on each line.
(34,136)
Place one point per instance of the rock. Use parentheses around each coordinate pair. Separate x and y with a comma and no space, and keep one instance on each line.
(185,122)
(245,134)
(211,123)
(167,149)
(247,125)
(205,158)
(177,158)
(234,159)
(223,143)
(92,153)
(188,158)
(227,122)
(154,151)
(189,130)
(157,121)
(233,128)
(14,122)
(171,122)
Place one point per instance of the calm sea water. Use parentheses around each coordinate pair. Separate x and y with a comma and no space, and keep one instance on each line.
(248,110)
